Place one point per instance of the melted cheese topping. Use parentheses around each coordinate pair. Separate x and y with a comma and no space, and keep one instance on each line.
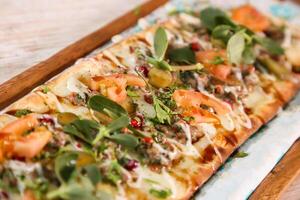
(74,85)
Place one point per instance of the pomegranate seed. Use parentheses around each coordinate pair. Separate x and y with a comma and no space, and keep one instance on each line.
(229,103)
(78,145)
(144,70)
(4,195)
(148,140)
(131,165)
(47,120)
(135,124)
(148,99)
(195,46)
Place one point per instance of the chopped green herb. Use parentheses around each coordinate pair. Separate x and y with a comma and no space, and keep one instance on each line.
(45,89)
(240,154)
(217,60)
(188,119)
(114,172)
(163,112)
(132,93)
(22,112)
(161,194)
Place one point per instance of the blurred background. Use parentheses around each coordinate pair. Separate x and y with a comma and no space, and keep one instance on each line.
(33,30)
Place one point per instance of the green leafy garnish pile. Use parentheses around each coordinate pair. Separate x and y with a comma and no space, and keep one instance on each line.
(238,39)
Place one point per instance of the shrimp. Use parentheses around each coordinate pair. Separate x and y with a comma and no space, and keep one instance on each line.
(250,17)
(13,142)
(189,98)
(114,86)
(216,62)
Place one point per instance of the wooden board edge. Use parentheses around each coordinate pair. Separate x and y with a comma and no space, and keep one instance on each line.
(23,83)
(281,176)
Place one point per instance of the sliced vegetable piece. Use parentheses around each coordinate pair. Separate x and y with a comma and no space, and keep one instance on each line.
(250,17)
(66,118)
(272,66)
(160,78)
(189,98)
(31,145)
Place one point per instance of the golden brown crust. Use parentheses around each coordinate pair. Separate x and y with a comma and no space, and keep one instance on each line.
(266,112)
(32,102)
(226,148)
(286,90)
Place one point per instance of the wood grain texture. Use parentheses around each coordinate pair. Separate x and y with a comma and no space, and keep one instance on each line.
(33,30)
(275,185)
(36,75)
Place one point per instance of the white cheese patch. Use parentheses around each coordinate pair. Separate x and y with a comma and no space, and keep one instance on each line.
(226,121)
(74,85)
(189,19)
(52,101)
(256,97)
(117,38)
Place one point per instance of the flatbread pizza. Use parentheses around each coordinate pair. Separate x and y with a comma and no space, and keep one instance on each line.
(153,116)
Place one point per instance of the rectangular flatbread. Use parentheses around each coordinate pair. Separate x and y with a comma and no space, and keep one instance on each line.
(154,115)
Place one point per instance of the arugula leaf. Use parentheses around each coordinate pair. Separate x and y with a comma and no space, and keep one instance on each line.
(74,190)
(162,111)
(22,112)
(65,166)
(159,64)
(93,173)
(121,122)
(114,110)
(83,129)
(223,33)
(270,45)
(182,55)
(248,55)
(160,43)
(106,106)
(212,17)
(125,140)
(161,194)
(235,47)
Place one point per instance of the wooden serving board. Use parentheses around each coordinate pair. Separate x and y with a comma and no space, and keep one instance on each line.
(272,186)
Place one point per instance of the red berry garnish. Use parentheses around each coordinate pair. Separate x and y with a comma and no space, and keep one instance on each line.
(131,164)
(144,70)
(195,46)
(148,140)
(135,123)
(148,99)
(47,120)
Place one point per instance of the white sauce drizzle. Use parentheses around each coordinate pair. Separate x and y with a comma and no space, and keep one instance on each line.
(209,131)
(189,148)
